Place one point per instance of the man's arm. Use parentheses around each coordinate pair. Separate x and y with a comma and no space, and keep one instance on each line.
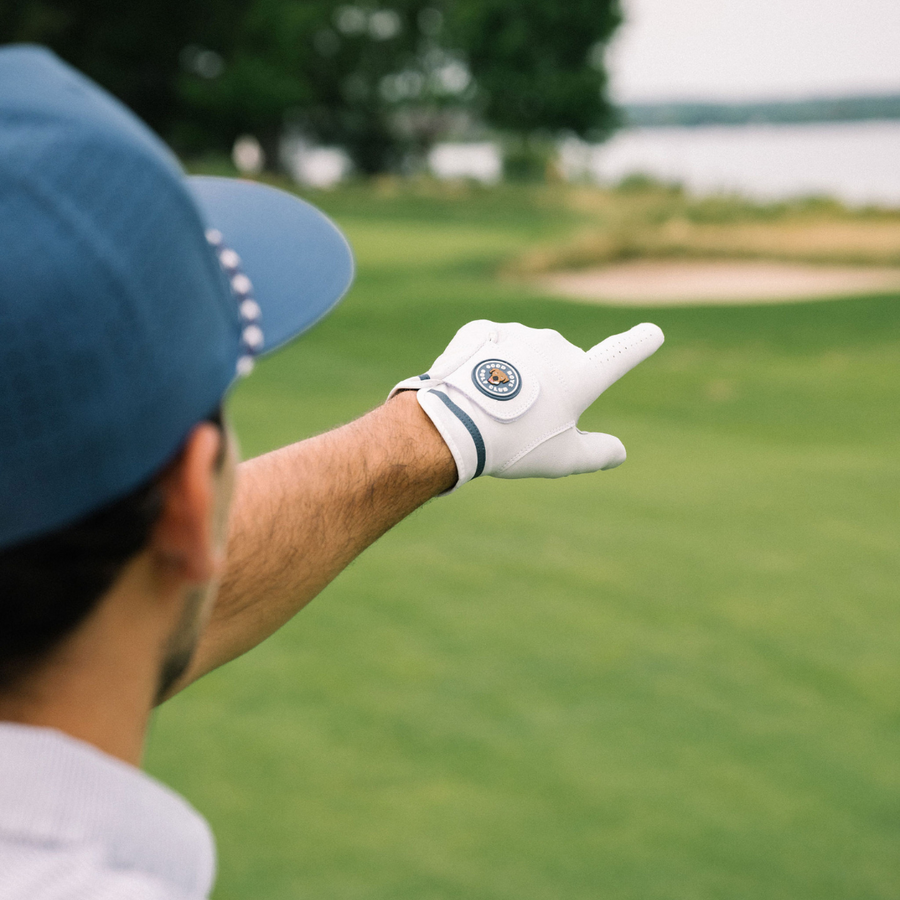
(301,514)
(501,400)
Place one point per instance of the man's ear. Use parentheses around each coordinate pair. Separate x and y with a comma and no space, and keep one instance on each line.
(183,540)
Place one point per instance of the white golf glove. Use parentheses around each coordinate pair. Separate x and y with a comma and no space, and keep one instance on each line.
(507,399)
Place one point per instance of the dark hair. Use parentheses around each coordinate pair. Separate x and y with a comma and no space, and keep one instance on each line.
(49,584)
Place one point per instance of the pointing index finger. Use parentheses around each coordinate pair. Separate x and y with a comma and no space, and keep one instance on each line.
(610,359)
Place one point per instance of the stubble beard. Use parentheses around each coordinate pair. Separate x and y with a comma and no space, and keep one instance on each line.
(181,644)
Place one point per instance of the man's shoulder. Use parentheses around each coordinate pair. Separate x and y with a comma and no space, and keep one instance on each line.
(38,872)
(76,824)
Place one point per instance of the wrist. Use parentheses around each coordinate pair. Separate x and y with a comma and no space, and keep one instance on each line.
(429,450)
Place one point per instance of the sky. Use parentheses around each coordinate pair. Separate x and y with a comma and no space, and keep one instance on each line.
(754,49)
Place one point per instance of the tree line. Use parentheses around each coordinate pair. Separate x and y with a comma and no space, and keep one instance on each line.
(382,81)
(817,109)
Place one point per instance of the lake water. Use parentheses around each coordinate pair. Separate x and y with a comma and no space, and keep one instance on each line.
(858,162)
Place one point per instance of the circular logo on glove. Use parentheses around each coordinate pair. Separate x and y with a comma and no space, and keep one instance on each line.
(497,379)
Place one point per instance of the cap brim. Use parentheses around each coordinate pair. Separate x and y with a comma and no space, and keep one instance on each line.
(298,261)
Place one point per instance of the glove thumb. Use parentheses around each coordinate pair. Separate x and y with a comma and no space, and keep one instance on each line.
(572,452)
(599,451)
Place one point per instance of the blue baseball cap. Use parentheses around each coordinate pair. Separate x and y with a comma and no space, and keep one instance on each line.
(131,296)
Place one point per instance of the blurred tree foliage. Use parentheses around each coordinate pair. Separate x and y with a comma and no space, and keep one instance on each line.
(131,48)
(382,81)
(538,65)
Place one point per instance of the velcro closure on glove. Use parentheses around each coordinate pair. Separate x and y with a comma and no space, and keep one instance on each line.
(503,385)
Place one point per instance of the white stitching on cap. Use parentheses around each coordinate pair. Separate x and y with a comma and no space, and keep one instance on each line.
(241,285)
(229,259)
(250,310)
(252,337)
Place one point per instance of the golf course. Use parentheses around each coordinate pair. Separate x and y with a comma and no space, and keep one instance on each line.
(677,680)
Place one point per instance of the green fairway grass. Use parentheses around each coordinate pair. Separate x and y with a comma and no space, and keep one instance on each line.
(679,680)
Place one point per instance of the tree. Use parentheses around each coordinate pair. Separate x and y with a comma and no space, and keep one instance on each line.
(132,48)
(382,81)
(538,66)
(362,64)
(370,78)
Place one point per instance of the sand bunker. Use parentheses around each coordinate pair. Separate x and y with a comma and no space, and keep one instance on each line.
(683,283)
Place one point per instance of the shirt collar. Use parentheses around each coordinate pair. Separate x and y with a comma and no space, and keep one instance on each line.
(58,790)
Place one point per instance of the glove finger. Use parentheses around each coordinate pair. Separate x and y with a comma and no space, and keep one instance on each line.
(546,340)
(609,360)
(465,342)
(599,451)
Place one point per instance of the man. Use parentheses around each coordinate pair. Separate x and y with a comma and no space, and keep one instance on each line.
(135,554)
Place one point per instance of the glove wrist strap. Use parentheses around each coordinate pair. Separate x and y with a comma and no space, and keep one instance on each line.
(457,428)
(414,383)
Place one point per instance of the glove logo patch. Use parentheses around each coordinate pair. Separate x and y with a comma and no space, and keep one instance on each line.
(497,378)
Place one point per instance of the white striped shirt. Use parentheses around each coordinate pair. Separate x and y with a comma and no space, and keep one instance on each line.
(76,824)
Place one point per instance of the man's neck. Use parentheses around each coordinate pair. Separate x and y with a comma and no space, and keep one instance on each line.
(99,685)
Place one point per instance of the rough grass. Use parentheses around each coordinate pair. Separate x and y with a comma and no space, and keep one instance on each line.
(677,680)
(646,220)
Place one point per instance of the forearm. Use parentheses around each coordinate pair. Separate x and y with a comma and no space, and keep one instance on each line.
(303,513)
(506,397)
